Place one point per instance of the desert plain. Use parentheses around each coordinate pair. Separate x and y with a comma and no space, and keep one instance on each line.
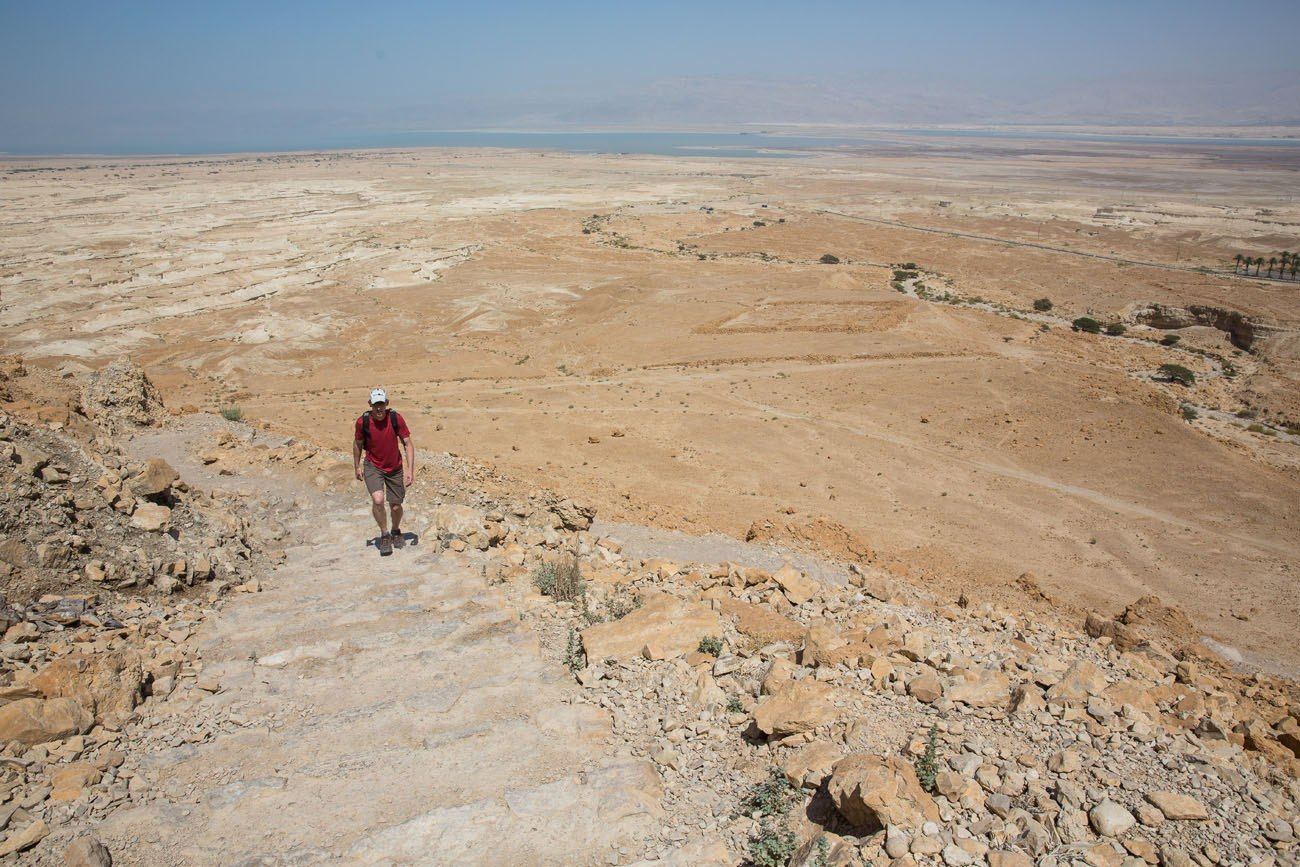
(661,337)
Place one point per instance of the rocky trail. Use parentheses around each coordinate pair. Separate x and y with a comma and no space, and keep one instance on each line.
(376,710)
(206,664)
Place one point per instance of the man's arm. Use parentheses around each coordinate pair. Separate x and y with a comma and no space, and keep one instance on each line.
(356,457)
(409,447)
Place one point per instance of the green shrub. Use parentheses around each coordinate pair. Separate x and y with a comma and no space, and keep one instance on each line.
(771,797)
(232,413)
(710,644)
(1189,412)
(562,582)
(1170,340)
(1176,373)
(1042,305)
(904,274)
(772,846)
(734,705)
(1115,329)
(1256,428)
(1086,323)
(829,259)
(574,657)
(927,764)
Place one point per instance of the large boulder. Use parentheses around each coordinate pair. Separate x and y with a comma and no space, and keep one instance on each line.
(32,721)
(109,685)
(872,792)
(796,706)
(798,587)
(121,396)
(151,517)
(663,627)
(154,480)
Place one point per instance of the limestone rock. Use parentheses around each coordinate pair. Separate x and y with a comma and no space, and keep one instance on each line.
(762,624)
(69,780)
(109,685)
(121,396)
(798,588)
(1178,807)
(151,517)
(1009,858)
(981,688)
(872,792)
(1110,819)
(26,838)
(574,516)
(32,721)
(87,852)
(1081,680)
(796,706)
(155,480)
(669,625)
(813,760)
(925,687)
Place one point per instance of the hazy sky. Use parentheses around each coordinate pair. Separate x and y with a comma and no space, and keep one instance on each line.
(81,76)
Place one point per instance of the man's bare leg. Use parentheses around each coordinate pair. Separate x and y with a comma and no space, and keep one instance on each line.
(397,516)
(380,513)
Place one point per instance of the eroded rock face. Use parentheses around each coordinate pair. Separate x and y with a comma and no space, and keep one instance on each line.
(1081,680)
(762,624)
(154,480)
(667,626)
(121,396)
(872,792)
(981,688)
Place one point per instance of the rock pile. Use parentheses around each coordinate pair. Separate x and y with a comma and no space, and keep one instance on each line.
(95,551)
(1052,744)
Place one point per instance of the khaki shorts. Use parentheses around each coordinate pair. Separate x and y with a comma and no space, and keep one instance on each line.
(390,483)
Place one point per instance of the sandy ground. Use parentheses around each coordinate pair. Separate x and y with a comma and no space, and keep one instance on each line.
(657,335)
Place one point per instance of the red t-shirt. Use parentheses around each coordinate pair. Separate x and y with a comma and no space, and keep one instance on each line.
(384,450)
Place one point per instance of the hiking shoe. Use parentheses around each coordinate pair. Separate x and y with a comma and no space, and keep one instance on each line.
(399,540)
(385,545)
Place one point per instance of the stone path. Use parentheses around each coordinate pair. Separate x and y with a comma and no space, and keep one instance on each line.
(384,711)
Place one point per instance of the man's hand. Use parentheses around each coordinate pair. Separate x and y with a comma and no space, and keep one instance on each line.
(409,477)
(360,476)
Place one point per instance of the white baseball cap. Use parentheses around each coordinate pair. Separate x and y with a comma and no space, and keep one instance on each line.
(378,396)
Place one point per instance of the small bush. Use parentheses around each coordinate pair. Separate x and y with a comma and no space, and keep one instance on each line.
(232,413)
(1115,329)
(773,846)
(734,705)
(1189,412)
(1170,340)
(771,797)
(1086,323)
(1256,428)
(829,259)
(574,657)
(1176,373)
(904,274)
(1042,305)
(562,582)
(927,764)
(710,644)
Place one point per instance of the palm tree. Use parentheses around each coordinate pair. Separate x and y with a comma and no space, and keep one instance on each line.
(1295,265)
(1236,266)
(1272,263)
(1285,257)
(1259,260)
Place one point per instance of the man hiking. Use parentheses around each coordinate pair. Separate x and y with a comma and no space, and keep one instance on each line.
(382,435)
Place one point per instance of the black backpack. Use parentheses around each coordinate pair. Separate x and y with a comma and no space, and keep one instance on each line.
(365,427)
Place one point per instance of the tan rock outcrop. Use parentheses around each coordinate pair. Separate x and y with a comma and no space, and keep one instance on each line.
(32,721)
(872,792)
(669,626)
(797,706)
